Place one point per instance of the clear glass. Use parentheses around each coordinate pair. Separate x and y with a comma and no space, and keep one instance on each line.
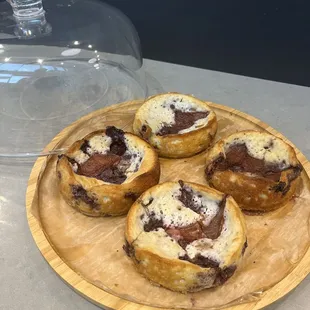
(60,62)
(26,8)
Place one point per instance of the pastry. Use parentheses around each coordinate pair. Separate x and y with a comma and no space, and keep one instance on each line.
(258,169)
(104,173)
(176,125)
(184,236)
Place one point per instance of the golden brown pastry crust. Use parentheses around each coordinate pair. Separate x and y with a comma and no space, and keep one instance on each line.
(254,192)
(94,197)
(176,274)
(189,143)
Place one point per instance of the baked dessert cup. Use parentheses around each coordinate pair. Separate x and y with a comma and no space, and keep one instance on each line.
(258,169)
(185,237)
(105,172)
(176,125)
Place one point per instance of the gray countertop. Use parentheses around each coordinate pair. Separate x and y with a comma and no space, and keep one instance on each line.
(26,280)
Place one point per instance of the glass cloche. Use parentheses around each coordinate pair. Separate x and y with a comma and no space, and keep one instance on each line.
(60,60)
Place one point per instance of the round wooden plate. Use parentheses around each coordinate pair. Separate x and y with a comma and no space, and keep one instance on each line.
(104,299)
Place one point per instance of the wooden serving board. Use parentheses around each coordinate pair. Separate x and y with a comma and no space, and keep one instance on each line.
(99,296)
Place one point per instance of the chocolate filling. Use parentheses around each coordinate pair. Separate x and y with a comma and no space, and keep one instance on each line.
(192,232)
(182,120)
(97,164)
(188,234)
(214,229)
(129,249)
(110,167)
(145,132)
(118,146)
(284,187)
(224,274)
(201,261)
(79,193)
(153,224)
(187,197)
(221,276)
(237,159)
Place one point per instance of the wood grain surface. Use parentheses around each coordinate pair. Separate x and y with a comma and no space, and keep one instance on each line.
(104,299)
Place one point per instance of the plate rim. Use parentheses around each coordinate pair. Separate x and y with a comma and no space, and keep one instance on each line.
(102,298)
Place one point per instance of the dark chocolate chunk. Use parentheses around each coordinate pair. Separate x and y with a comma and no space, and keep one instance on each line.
(184,257)
(201,261)
(183,243)
(118,146)
(97,163)
(295,173)
(153,223)
(204,262)
(113,175)
(114,133)
(284,187)
(129,249)
(187,197)
(79,193)
(279,187)
(109,167)
(224,274)
(214,229)
(186,234)
(145,132)
(85,146)
(182,120)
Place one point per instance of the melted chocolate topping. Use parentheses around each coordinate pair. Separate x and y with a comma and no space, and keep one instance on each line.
(186,235)
(110,167)
(97,163)
(85,146)
(238,160)
(182,120)
(187,198)
(214,229)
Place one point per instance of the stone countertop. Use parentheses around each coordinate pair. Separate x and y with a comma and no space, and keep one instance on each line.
(27,281)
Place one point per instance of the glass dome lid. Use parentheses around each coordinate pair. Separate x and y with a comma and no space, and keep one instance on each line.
(60,60)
